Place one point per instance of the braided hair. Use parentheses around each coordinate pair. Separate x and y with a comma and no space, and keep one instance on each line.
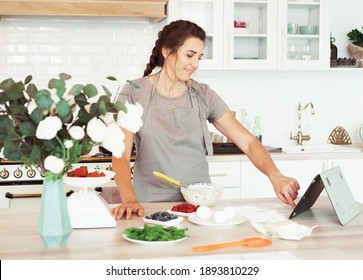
(172,36)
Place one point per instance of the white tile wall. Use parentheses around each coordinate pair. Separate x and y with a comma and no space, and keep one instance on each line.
(90,49)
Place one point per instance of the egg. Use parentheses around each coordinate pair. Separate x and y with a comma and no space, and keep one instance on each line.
(230,212)
(204,212)
(219,217)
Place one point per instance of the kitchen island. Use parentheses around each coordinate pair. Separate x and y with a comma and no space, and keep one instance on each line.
(329,241)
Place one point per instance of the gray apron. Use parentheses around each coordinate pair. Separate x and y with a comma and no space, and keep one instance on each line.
(175,143)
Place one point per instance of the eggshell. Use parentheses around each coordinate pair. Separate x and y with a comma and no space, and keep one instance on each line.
(204,212)
(219,217)
(230,212)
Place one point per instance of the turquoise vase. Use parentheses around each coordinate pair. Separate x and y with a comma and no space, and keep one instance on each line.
(54,226)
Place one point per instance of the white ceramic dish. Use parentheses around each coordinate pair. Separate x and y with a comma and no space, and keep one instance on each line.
(180,214)
(142,242)
(83,182)
(209,222)
(170,223)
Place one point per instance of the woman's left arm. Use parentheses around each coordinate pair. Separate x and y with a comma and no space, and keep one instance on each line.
(286,188)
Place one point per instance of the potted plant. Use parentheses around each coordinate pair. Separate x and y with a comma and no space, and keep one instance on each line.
(355,48)
(356,37)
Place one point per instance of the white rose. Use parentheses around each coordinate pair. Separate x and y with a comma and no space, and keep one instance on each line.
(96,130)
(54,164)
(68,144)
(132,120)
(114,140)
(48,128)
(76,132)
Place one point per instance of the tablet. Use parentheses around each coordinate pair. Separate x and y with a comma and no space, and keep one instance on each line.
(340,196)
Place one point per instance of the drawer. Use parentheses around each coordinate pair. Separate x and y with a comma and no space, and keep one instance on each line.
(227,174)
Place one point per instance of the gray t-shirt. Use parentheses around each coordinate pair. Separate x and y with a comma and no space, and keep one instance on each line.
(213,106)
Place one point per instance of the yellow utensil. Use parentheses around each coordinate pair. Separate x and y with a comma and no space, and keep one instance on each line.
(168,179)
(254,242)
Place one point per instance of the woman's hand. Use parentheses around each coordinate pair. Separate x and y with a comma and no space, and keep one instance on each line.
(127,209)
(286,189)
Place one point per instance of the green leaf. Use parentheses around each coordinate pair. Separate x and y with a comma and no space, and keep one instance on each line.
(6,84)
(61,91)
(119,106)
(28,79)
(81,100)
(15,91)
(76,89)
(43,99)
(83,117)
(35,154)
(90,90)
(56,83)
(3,98)
(32,90)
(17,109)
(102,107)
(65,76)
(111,78)
(63,108)
(37,115)
(108,93)
(27,128)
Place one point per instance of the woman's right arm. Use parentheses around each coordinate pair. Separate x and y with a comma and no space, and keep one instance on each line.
(121,167)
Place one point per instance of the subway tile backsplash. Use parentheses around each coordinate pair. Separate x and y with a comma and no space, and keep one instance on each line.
(88,48)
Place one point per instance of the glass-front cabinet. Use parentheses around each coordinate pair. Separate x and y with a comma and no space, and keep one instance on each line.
(255,34)
(208,14)
(304,34)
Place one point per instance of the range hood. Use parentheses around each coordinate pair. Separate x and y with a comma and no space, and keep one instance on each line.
(155,10)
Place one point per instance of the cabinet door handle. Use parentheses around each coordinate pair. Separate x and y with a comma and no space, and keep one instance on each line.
(28,195)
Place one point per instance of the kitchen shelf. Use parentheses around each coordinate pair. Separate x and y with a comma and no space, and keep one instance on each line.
(155,10)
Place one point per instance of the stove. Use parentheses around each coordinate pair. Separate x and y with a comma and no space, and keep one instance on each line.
(231,148)
(20,183)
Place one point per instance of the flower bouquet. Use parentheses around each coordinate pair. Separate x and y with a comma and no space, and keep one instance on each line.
(51,129)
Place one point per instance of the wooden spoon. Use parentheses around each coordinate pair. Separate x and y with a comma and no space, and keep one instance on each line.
(254,242)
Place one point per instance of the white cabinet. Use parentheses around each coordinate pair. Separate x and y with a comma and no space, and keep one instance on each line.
(254,184)
(227,174)
(208,14)
(265,43)
(303,51)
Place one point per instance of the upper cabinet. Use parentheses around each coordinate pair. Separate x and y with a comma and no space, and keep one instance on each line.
(155,10)
(253,34)
(209,15)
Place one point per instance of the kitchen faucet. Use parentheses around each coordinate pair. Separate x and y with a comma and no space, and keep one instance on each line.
(300,137)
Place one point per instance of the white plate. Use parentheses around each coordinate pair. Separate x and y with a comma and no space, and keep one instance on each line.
(361,133)
(82,182)
(203,222)
(142,242)
(170,223)
(181,214)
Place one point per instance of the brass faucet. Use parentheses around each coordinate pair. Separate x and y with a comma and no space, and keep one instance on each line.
(300,137)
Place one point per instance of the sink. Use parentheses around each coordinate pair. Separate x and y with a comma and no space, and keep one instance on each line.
(328,148)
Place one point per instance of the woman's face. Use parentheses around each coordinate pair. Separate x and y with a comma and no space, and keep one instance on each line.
(185,62)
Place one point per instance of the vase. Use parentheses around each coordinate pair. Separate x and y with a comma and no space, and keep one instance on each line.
(54,226)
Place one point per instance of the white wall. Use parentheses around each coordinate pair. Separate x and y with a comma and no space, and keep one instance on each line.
(90,49)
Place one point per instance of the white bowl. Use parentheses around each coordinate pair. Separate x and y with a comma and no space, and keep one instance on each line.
(206,194)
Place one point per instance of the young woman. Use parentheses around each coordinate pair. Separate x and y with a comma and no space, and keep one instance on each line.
(174,138)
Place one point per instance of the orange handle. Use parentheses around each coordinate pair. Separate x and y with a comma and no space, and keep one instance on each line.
(254,242)
(217,246)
